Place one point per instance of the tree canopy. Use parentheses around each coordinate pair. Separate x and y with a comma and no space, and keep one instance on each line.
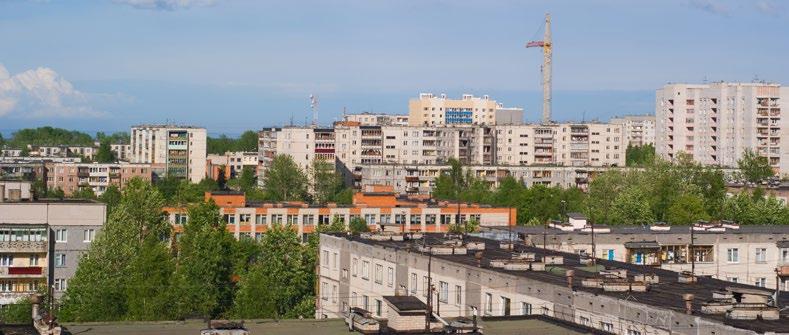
(248,141)
(285,180)
(754,168)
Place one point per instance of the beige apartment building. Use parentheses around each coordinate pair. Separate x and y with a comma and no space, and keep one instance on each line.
(232,163)
(638,129)
(431,110)
(175,151)
(467,276)
(376,119)
(752,255)
(716,122)
(70,177)
(41,243)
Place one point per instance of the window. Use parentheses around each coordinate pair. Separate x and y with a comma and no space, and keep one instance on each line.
(260,219)
(60,284)
(378,307)
(443,292)
(334,263)
(733,255)
(365,270)
(230,218)
(87,235)
(379,269)
(413,283)
(458,295)
(390,277)
(181,218)
(785,255)
(353,299)
(733,279)
(488,303)
(354,265)
(33,260)
(324,292)
(245,218)
(609,327)
(761,282)
(525,308)
(365,302)
(61,235)
(6,260)
(334,294)
(761,255)
(425,285)
(633,332)
(60,260)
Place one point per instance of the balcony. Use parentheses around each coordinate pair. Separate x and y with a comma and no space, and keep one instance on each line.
(23,246)
(23,272)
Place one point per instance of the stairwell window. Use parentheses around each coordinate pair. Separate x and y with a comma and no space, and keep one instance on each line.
(61,235)
(761,255)
(88,235)
(733,255)
(443,292)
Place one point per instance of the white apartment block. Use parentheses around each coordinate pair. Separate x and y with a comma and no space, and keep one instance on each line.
(716,122)
(638,129)
(431,110)
(570,144)
(373,119)
(178,151)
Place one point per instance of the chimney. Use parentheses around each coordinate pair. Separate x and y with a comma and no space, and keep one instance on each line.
(688,298)
(570,274)
(478,256)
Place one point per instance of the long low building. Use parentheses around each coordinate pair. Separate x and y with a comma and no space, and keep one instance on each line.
(41,243)
(70,177)
(727,251)
(380,207)
(471,276)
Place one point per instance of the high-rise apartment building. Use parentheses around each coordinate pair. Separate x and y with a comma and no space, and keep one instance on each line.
(638,129)
(175,151)
(431,110)
(715,123)
(374,119)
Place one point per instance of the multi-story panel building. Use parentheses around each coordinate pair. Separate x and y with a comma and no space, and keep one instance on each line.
(742,254)
(638,130)
(372,119)
(430,110)
(715,123)
(379,206)
(471,276)
(174,151)
(41,243)
(70,177)
(231,163)
(121,151)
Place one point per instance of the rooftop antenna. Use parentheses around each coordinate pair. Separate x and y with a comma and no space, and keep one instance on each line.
(314,107)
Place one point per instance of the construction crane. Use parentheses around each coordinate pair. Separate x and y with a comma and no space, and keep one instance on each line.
(547,51)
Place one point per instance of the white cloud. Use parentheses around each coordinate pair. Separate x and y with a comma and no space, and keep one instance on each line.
(166,4)
(42,93)
(710,6)
(769,8)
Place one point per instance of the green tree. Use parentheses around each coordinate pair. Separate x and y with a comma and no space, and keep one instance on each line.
(631,207)
(358,225)
(687,209)
(85,192)
(17,313)
(755,168)
(49,136)
(111,197)
(284,180)
(201,285)
(640,155)
(56,193)
(336,226)
(508,193)
(105,154)
(602,192)
(148,281)
(279,283)
(450,183)
(248,141)
(98,290)
(326,183)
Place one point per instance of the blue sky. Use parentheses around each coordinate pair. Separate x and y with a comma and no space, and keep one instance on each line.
(231,65)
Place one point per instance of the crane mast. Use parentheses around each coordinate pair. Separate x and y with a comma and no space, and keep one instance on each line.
(547,51)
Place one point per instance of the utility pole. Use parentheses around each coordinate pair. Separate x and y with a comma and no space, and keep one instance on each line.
(429,289)
(547,53)
(692,250)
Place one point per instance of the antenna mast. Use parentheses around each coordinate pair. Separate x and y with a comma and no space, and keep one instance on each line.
(547,51)
(314,107)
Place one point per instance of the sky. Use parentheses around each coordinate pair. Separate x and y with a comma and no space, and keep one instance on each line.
(234,65)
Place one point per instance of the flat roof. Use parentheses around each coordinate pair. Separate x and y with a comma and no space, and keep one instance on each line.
(667,294)
(633,229)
